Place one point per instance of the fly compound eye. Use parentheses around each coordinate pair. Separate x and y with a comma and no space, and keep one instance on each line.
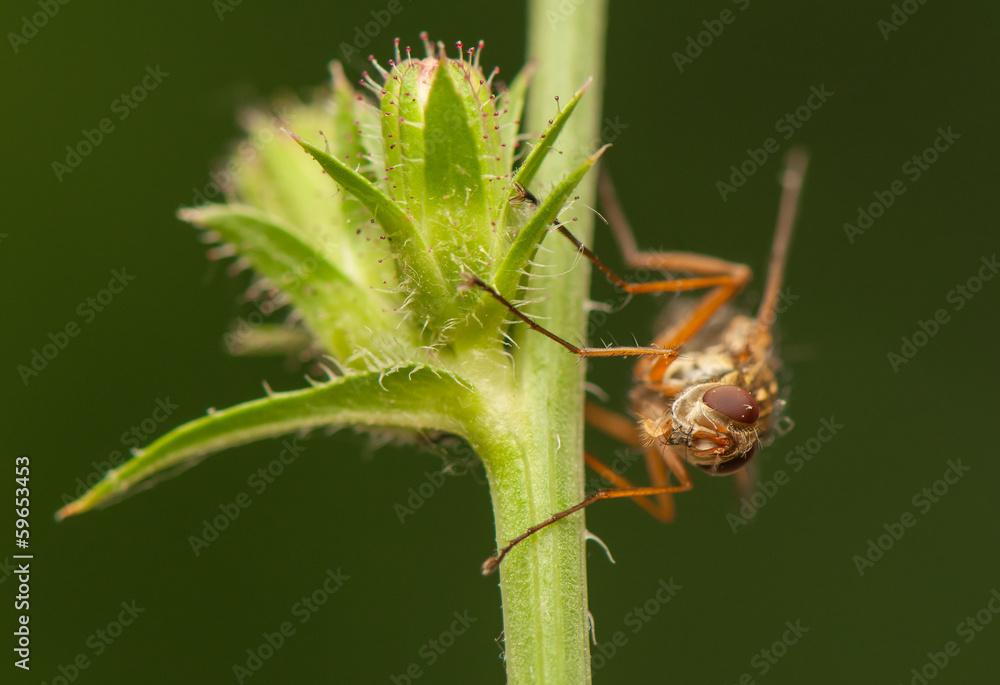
(734,402)
(733,465)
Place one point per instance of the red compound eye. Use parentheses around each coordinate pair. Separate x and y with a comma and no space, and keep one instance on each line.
(734,402)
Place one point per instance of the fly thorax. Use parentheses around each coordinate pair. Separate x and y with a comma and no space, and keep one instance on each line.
(711,362)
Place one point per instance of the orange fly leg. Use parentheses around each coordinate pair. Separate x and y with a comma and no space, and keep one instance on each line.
(791,191)
(662,509)
(672,285)
(476,282)
(613,424)
(491,564)
(725,278)
(657,463)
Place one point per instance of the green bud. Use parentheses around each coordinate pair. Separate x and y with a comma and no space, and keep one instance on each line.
(444,158)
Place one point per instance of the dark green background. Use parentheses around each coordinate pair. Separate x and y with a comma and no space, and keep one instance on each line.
(333,507)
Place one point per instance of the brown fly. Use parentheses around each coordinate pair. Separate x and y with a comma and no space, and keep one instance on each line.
(705,391)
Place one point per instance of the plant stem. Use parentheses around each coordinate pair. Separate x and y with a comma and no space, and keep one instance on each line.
(543,583)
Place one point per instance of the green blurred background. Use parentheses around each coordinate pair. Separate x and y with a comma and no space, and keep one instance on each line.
(675,136)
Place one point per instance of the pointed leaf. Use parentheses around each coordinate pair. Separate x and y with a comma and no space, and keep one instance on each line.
(274,176)
(347,111)
(341,312)
(455,151)
(510,271)
(526,173)
(404,97)
(510,107)
(351,116)
(509,274)
(414,396)
(433,295)
(267,339)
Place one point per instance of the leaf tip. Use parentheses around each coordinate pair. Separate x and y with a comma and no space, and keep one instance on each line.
(338,76)
(594,157)
(189,214)
(71,509)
